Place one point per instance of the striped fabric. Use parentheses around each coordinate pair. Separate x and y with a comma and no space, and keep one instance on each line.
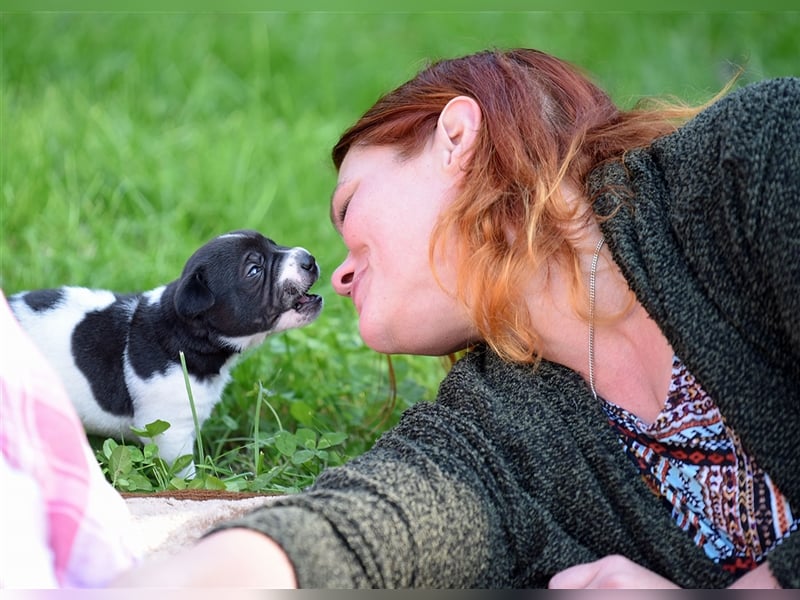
(716,492)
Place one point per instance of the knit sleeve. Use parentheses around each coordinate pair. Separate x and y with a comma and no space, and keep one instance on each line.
(734,173)
(504,481)
(761,157)
(775,233)
(413,511)
(434,503)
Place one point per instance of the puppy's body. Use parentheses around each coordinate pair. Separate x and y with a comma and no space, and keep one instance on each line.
(119,354)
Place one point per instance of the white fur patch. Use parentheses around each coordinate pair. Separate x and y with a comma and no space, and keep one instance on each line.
(52,332)
(174,406)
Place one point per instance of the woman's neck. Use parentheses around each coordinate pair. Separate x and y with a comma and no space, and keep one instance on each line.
(632,358)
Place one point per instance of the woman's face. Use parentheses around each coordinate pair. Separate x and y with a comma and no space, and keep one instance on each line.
(385,209)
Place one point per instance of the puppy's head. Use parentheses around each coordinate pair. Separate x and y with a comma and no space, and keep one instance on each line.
(242,286)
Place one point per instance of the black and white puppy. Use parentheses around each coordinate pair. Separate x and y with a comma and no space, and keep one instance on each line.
(118,354)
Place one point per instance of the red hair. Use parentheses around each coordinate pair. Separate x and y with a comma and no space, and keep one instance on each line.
(544,123)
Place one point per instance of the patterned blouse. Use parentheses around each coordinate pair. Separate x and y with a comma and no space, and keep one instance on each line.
(695,462)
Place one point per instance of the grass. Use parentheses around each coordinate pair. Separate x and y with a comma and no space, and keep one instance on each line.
(128,140)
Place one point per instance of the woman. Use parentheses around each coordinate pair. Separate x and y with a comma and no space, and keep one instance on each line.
(627,412)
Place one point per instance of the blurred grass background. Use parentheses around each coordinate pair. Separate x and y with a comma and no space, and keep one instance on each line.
(128,140)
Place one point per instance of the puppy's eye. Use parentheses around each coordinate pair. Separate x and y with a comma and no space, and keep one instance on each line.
(254,271)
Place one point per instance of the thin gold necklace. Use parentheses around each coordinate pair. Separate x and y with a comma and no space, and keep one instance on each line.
(592,293)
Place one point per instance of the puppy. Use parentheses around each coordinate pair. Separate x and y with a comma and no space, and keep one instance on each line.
(118,354)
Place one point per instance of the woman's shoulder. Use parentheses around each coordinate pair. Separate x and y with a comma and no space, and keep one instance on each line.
(499,404)
(482,374)
(725,154)
(745,114)
(775,88)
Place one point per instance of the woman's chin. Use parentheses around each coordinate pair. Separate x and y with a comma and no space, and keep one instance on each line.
(413,340)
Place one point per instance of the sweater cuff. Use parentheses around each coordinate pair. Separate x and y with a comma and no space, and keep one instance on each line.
(783,561)
(319,557)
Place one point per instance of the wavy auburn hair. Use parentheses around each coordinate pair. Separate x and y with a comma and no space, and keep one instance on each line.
(544,123)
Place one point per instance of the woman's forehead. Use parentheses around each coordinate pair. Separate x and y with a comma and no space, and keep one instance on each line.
(358,155)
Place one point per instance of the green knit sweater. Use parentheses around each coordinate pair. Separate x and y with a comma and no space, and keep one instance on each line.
(512,475)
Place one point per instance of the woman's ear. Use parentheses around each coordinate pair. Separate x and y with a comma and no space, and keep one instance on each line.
(457,129)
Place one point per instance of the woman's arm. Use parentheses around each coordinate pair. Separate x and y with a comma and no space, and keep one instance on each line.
(410,512)
(229,558)
(744,219)
(440,501)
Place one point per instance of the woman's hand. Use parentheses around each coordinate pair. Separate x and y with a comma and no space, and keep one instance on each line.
(620,573)
(610,572)
(229,558)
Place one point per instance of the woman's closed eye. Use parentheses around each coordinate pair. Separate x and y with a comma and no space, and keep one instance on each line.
(342,213)
(343,191)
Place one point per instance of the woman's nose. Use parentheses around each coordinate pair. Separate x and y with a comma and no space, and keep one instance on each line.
(342,277)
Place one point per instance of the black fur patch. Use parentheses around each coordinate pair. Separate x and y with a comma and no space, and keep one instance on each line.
(150,341)
(157,336)
(106,329)
(42,300)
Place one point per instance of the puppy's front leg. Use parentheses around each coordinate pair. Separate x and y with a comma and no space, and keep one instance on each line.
(175,442)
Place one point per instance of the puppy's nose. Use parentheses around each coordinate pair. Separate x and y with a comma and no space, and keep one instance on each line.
(305,261)
(308,263)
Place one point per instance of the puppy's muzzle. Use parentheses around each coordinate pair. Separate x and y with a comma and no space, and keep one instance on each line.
(299,273)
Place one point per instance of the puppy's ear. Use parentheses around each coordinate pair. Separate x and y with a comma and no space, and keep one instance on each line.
(193,296)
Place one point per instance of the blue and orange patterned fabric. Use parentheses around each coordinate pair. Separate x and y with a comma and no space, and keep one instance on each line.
(696,463)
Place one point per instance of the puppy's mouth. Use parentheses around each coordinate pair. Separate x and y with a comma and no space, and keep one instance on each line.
(300,300)
(307,303)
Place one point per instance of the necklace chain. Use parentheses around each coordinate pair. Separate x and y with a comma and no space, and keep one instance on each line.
(592,294)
